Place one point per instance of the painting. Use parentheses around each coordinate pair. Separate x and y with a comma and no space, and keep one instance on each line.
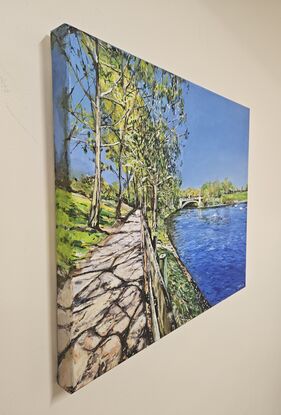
(151,202)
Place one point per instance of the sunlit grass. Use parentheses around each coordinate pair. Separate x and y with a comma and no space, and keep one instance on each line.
(234,197)
(74,237)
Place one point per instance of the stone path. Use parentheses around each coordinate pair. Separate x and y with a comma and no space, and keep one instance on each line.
(102,317)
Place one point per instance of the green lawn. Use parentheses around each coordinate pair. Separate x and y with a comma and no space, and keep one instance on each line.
(235,197)
(74,237)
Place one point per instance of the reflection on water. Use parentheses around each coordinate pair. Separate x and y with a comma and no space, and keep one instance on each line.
(212,245)
(212,219)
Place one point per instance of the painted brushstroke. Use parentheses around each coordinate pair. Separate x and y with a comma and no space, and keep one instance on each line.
(151,196)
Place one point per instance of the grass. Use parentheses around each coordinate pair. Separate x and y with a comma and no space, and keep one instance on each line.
(187,300)
(226,199)
(235,197)
(74,237)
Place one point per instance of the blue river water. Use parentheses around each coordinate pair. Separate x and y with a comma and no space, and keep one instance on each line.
(212,245)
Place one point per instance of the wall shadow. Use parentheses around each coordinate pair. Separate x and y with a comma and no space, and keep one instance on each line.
(46,83)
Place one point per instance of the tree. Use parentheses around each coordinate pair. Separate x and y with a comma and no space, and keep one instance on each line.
(128,116)
(166,108)
(93,81)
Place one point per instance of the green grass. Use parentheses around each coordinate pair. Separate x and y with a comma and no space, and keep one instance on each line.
(74,237)
(235,197)
(187,300)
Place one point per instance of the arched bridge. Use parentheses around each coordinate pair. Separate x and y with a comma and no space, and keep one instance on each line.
(192,200)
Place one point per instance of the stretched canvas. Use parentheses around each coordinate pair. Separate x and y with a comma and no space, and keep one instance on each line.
(151,202)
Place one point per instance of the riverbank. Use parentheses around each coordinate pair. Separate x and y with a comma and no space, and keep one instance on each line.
(187,299)
(228,199)
(212,245)
(237,202)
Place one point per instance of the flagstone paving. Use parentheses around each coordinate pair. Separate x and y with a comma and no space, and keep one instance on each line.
(101,309)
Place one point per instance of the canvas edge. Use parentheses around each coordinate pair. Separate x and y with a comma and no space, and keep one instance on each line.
(65,293)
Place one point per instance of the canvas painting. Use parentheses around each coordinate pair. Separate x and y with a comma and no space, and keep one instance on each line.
(151,202)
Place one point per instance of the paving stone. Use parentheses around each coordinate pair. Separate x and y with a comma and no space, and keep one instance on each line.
(106,297)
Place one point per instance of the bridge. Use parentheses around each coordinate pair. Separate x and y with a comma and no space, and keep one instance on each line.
(192,200)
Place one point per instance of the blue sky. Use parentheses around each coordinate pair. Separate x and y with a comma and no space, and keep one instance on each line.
(217,146)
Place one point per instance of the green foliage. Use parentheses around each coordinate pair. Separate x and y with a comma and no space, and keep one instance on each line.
(189,192)
(74,238)
(142,116)
(221,192)
(110,191)
(212,191)
(235,197)
(186,299)
(84,186)
(217,192)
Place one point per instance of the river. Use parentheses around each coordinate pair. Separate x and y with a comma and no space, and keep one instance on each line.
(212,245)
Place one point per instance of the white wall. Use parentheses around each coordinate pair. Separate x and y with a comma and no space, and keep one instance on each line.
(228,360)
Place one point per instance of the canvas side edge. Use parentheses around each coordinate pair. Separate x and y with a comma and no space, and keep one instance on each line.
(65,367)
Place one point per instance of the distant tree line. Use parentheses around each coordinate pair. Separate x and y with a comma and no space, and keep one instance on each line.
(213,191)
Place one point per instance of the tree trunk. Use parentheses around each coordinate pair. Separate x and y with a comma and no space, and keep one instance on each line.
(144,207)
(136,195)
(119,200)
(128,186)
(62,168)
(95,205)
(154,214)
